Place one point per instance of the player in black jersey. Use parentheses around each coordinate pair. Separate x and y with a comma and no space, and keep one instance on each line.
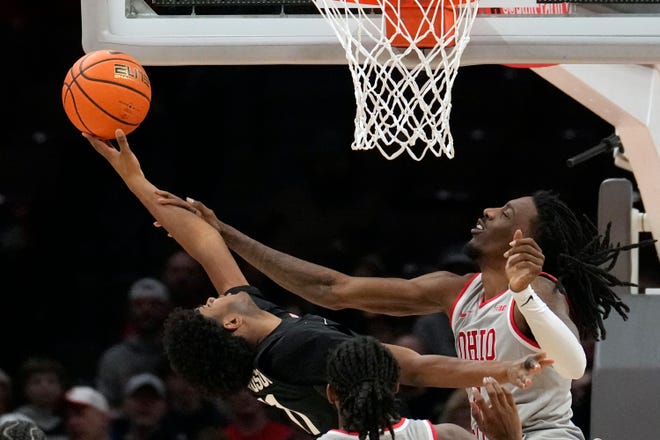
(240,339)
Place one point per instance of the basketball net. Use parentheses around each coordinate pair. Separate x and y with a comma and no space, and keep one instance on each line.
(403,56)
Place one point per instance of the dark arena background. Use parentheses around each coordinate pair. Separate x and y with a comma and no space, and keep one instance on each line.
(268,148)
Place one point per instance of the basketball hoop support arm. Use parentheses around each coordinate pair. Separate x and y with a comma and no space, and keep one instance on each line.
(628,97)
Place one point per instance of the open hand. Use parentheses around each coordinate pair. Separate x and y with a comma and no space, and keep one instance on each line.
(520,372)
(122,159)
(194,206)
(524,261)
(498,418)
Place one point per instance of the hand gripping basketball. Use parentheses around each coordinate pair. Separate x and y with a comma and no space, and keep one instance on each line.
(106,90)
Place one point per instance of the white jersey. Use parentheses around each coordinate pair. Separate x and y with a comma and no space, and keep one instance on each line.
(405,429)
(485,330)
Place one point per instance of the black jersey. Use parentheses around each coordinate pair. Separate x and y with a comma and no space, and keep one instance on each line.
(290,366)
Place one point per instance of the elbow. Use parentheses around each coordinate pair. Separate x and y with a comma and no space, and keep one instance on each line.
(333,300)
(334,295)
(573,369)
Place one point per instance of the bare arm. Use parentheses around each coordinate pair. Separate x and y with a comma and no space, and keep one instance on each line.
(196,236)
(450,372)
(329,288)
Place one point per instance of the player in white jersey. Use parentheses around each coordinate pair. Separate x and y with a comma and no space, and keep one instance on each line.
(486,329)
(363,378)
(511,245)
(240,339)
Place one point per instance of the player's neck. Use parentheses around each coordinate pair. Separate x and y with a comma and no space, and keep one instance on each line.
(494,281)
(263,326)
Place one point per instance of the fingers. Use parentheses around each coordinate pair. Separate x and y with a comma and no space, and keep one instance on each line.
(202,209)
(495,392)
(478,405)
(158,225)
(101,146)
(541,360)
(165,194)
(121,140)
(523,247)
(197,204)
(517,235)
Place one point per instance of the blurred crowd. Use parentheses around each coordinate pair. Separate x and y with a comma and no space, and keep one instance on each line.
(134,395)
(86,282)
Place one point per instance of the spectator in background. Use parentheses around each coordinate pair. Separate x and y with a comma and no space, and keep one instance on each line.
(42,382)
(141,349)
(14,427)
(188,284)
(251,421)
(88,414)
(199,417)
(144,408)
(5,393)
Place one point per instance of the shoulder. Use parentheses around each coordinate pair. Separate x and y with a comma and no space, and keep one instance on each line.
(545,287)
(449,430)
(443,286)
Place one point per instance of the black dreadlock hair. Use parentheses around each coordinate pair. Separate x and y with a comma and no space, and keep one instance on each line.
(364,374)
(581,258)
(206,354)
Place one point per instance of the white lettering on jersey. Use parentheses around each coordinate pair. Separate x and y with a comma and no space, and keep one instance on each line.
(477,345)
(298,418)
(258,381)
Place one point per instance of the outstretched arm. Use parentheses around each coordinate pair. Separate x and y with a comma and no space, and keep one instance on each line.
(450,372)
(196,236)
(546,314)
(329,288)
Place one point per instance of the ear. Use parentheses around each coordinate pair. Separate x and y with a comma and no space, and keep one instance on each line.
(232,322)
(396,388)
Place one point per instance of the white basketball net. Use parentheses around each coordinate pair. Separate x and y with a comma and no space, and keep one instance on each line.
(402,94)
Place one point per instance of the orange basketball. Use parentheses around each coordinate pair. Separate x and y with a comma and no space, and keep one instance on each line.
(106,90)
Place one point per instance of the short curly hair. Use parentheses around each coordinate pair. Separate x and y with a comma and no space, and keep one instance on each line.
(210,357)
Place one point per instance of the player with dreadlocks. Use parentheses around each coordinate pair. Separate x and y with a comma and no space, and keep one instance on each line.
(543,283)
(363,378)
(241,339)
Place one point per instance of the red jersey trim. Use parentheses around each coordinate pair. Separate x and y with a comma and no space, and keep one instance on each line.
(549,276)
(515,328)
(397,425)
(458,297)
(434,433)
(571,311)
(483,303)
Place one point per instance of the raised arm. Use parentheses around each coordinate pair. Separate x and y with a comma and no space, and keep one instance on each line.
(450,372)
(195,235)
(541,310)
(332,289)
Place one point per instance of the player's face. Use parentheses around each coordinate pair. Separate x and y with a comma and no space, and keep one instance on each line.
(494,230)
(218,307)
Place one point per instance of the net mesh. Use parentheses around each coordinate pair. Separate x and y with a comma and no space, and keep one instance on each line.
(403,57)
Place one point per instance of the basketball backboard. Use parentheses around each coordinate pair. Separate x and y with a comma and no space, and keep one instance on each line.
(157,32)
(605,55)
